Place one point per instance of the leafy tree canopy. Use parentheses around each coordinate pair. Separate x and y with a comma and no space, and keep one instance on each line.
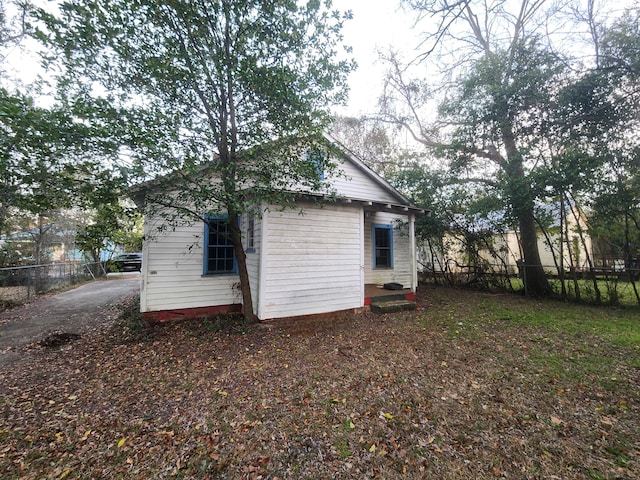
(532,111)
(226,87)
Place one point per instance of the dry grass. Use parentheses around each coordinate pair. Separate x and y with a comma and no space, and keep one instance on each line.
(475,386)
(13,294)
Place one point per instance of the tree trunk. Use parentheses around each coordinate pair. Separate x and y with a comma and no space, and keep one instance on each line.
(241,259)
(587,255)
(562,229)
(521,199)
(536,279)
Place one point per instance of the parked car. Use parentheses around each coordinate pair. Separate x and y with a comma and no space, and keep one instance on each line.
(126,262)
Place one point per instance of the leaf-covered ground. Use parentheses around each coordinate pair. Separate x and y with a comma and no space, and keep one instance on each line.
(473,386)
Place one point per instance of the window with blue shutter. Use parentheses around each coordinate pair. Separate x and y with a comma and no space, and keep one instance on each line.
(219,256)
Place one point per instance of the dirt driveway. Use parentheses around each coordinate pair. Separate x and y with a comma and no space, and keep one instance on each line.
(74,312)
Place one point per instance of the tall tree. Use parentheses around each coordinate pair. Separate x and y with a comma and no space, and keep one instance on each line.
(380,148)
(615,93)
(114,224)
(49,160)
(235,83)
(13,25)
(495,105)
(499,78)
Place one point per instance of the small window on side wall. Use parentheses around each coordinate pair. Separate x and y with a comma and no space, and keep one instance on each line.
(317,159)
(382,246)
(219,256)
(251,233)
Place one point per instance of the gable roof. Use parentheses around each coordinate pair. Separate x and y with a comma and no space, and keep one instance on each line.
(399,202)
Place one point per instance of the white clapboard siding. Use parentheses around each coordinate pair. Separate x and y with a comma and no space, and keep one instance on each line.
(354,183)
(401,271)
(311,262)
(172,276)
(253,257)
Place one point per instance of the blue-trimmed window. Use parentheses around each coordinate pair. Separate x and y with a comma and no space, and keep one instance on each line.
(382,246)
(317,159)
(251,234)
(219,256)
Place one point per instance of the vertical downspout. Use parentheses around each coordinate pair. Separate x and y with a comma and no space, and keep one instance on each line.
(362,256)
(413,252)
(262,264)
(144,271)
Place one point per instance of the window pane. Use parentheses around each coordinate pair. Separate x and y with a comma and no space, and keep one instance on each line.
(383,247)
(220,255)
(250,233)
(382,237)
(382,258)
(317,159)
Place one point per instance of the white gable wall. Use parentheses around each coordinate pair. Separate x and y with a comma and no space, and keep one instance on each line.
(402,258)
(354,183)
(311,262)
(172,277)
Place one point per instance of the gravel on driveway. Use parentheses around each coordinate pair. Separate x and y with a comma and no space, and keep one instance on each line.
(68,314)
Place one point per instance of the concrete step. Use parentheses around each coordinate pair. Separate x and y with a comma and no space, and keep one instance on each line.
(388,298)
(392,306)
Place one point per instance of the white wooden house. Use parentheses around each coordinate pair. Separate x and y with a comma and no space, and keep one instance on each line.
(325,256)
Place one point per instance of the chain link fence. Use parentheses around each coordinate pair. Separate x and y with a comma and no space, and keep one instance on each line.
(608,285)
(17,284)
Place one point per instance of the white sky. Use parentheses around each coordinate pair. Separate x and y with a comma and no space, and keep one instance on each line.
(376,25)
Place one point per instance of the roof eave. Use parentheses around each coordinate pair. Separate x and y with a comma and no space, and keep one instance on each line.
(367,205)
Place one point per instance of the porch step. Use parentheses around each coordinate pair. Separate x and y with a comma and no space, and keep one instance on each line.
(392,306)
(388,298)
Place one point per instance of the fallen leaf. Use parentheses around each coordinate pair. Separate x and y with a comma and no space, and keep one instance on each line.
(556,421)
(65,474)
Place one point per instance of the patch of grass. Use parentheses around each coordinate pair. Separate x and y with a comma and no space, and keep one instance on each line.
(341,445)
(619,326)
(595,474)
(613,292)
(568,342)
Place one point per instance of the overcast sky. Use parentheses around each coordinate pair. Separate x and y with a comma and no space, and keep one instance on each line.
(376,24)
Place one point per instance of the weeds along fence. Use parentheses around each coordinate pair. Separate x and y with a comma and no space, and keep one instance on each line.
(19,283)
(600,285)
